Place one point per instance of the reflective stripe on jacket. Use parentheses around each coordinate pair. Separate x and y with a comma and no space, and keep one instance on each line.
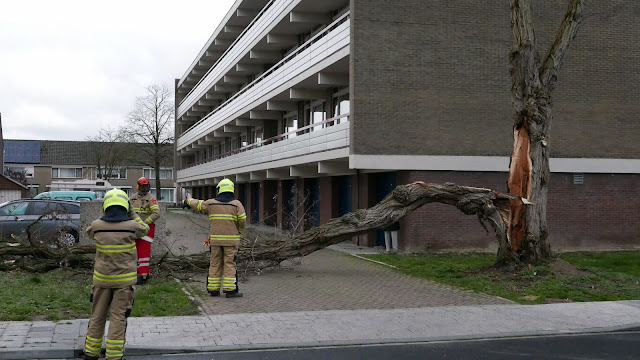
(146,207)
(116,258)
(227,220)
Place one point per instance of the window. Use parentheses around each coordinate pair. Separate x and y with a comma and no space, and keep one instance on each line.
(164,174)
(314,114)
(290,124)
(341,105)
(257,135)
(318,114)
(116,173)
(43,207)
(28,170)
(66,172)
(16,208)
(165,194)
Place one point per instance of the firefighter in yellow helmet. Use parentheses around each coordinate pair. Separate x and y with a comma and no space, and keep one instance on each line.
(146,206)
(227,221)
(114,275)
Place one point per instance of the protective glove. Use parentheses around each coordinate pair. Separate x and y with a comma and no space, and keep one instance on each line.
(207,241)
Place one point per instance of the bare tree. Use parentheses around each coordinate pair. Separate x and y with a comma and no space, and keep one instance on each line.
(17,175)
(533,79)
(151,126)
(109,151)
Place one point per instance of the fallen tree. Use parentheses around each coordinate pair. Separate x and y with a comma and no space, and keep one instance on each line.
(258,251)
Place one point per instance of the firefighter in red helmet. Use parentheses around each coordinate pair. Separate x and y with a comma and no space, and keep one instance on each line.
(146,206)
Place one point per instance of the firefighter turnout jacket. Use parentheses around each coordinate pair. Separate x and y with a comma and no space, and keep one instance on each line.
(227,220)
(146,206)
(116,261)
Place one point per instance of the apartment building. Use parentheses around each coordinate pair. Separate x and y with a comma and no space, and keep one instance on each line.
(318,108)
(70,165)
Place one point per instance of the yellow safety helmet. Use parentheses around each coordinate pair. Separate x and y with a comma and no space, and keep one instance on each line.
(116,197)
(226,185)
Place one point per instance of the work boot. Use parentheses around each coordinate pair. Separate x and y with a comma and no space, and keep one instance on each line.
(142,279)
(89,357)
(214,293)
(233,294)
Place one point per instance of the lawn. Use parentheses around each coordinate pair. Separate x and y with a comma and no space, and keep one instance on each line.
(570,277)
(64,294)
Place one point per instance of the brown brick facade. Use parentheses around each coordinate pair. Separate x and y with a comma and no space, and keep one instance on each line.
(432,77)
(601,214)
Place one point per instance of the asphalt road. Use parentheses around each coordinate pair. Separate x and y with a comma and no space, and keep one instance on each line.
(619,346)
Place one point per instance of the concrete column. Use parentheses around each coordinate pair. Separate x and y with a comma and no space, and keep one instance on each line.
(403,178)
(248,206)
(279,205)
(366,198)
(268,204)
(328,199)
(288,201)
(299,205)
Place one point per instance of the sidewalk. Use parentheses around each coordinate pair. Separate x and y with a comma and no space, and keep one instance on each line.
(65,339)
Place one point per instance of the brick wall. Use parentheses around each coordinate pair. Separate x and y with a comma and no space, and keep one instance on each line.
(432,77)
(601,214)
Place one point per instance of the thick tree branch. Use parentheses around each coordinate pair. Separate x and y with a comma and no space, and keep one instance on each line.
(565,35)
(488,205)
(258,250)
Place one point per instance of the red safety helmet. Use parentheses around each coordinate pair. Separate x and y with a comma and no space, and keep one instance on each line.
(142,181)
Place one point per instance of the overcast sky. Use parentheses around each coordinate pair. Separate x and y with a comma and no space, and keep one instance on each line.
(71,67)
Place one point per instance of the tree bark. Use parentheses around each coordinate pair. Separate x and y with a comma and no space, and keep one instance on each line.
(491,207)
(532,83)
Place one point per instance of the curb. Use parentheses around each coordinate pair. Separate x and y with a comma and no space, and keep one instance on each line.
(65,353)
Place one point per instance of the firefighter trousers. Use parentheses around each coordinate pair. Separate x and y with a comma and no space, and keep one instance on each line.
(117,303)
(143,246)
(222,269)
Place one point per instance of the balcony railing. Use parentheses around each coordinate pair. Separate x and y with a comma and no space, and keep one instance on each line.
(271,14)
(260,84)
(233,44)
(300,131)
(323,136)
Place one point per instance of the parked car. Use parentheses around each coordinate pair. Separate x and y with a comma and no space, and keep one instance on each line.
(68,195)
(60,223)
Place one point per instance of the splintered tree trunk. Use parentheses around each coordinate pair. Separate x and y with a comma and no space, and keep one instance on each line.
(532,83)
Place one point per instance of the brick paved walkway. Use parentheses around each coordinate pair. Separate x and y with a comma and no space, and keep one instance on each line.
(332,280)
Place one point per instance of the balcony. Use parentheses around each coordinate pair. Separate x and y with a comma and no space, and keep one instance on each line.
(325,48)
(283,150)
(271,15)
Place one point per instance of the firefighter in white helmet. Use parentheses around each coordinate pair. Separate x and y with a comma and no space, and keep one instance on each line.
(227,221)
(114,275)
(146,206)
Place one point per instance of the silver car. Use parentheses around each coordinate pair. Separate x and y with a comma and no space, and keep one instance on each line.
(59,220)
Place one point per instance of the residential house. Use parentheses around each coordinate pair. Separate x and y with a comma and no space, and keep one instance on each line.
(56,165)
